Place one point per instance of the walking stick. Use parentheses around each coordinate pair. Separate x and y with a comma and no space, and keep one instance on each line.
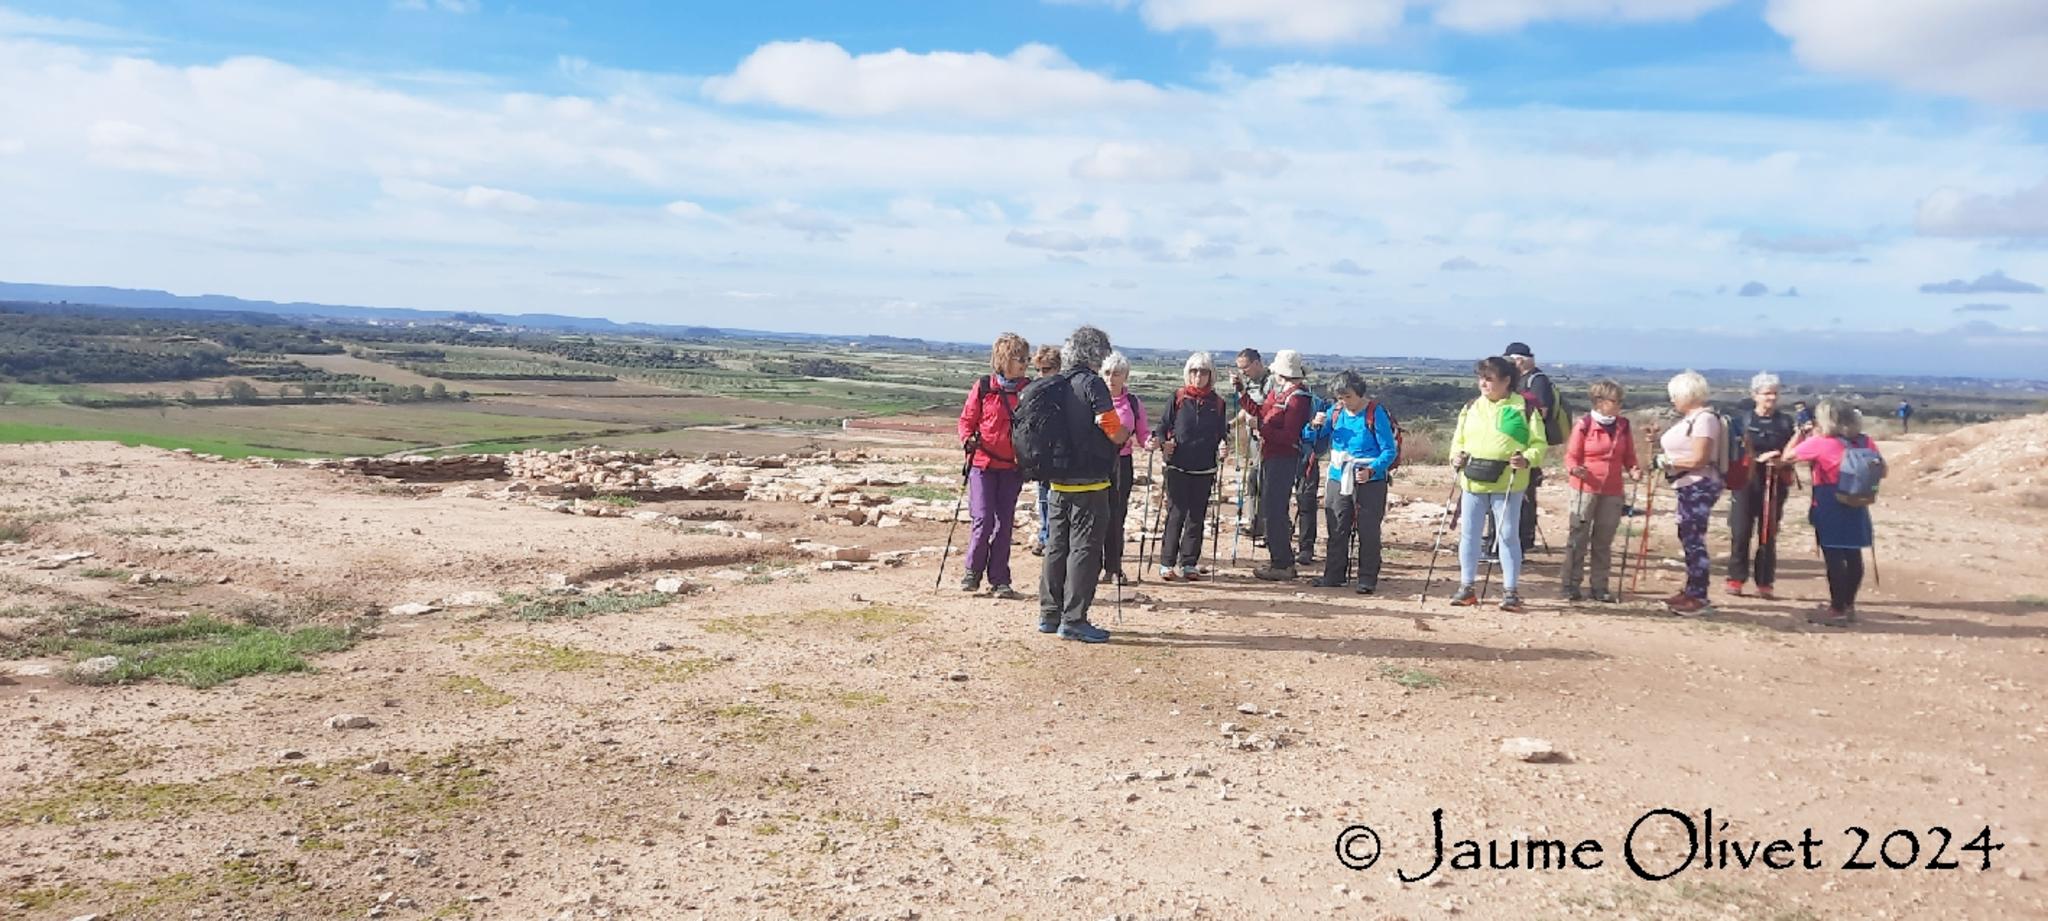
(1145,521)
(1215,523)
(1649,513)
(1237,527)
(966,467)
(1446,522)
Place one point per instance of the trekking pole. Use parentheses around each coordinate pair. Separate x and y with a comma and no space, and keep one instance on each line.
(1237,527)
(1215,523)
(1446,522)
(1145,514)
(966,466)
(1649,513)
(1628,506)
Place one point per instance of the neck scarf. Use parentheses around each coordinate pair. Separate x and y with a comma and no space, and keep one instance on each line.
(1603,420)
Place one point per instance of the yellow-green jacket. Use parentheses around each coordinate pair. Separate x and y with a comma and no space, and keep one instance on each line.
(1495,430)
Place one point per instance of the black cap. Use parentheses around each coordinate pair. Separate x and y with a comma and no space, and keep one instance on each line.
(1515,349)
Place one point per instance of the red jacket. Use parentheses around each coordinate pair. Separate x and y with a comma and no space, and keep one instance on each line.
(1281,419)
(987,414)
(1603,455)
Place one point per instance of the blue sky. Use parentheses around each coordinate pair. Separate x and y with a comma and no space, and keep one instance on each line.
(1368,176)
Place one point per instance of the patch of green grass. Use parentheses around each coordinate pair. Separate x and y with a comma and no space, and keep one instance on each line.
(13,531)
(105,572)
(476,691)
(870,620)
(559,607)
(112,799)
(2033,601)
(38,899)
(1412,678)
(198,651)
(857,699)
(552,657)
(619,501)
(27,433)
(925,492)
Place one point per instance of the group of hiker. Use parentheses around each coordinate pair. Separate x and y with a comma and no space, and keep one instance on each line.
(1077,430)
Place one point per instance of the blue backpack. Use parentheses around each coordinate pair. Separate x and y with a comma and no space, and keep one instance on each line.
(1862,471)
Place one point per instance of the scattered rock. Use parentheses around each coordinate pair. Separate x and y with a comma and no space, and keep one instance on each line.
(411,609)
(290,754)
(1534,751)
(349,721)
(96,668)
(1248,709)
(662,647)
(670,585)
(956,676)
(379,766)
(472,600)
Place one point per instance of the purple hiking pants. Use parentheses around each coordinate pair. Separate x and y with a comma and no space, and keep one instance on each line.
(992,500)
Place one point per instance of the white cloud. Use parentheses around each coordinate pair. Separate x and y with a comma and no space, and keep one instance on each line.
(1330,23)
(15,23)
(485,197)
(129,146)
(1800,244)
(1951,213)
(816,76)
(221,198)
(1505,15)
(1121,161)
(10,146)
(1315,23)
(1063,241)
(1990,50)
(685,209)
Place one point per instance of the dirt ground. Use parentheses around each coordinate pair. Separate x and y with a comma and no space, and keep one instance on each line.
(789,742)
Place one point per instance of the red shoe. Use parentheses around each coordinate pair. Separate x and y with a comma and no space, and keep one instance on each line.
(1735,587)
(1764,591)
(1168,575)
(1688,606)
(1189,575)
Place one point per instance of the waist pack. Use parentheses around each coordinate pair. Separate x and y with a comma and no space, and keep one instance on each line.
(1483,470)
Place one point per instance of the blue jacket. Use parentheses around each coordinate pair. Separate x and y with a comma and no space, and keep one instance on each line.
(1371,445)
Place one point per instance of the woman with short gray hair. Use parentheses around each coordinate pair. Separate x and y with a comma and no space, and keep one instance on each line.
(1694,455)
(1758,485)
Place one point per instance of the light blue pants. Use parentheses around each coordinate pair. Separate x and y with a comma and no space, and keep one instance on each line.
(1506,506)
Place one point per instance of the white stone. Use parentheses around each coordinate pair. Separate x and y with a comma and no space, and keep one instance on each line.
(96,667)
(412,609)
(349,721)
(670,585)
(1535,751)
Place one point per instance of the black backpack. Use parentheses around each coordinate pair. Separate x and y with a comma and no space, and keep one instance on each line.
(1553,417)
(1050,431)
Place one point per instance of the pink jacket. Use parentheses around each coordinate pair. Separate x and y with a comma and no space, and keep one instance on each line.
(1603,455)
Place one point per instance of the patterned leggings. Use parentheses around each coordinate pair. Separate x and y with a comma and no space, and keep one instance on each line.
(1695,507)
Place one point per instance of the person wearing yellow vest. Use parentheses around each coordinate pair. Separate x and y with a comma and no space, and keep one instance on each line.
(1499,439)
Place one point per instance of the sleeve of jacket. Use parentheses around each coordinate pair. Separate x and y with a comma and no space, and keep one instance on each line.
(1458,431)
(970,415)
(1389,441)
(1143,436)
(1575,448)
(1289,417)
(1539,443)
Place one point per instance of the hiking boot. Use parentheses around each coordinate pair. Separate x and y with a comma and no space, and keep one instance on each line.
(1304,559)
(1764,591)
(1465,598)
(972,583)
(1006,593)
(1326,582)
(1167,574)
(1190,574)
(1366,588)
(1735,587)
(1084,632)
(1037,549)
(1511,602)
(1850,613)
(1572,596)
(1048,623)
(1826,616)
(1275,573)
(1605,597)
(1688,606)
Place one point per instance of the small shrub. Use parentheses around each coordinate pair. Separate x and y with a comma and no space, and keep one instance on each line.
(13,531)
(1413,678)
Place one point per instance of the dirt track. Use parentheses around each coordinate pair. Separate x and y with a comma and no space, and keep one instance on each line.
(852,744)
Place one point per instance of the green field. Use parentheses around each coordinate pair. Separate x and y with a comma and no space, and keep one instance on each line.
(288,431)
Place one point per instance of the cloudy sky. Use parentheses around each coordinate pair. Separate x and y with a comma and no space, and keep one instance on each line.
(1801,183)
